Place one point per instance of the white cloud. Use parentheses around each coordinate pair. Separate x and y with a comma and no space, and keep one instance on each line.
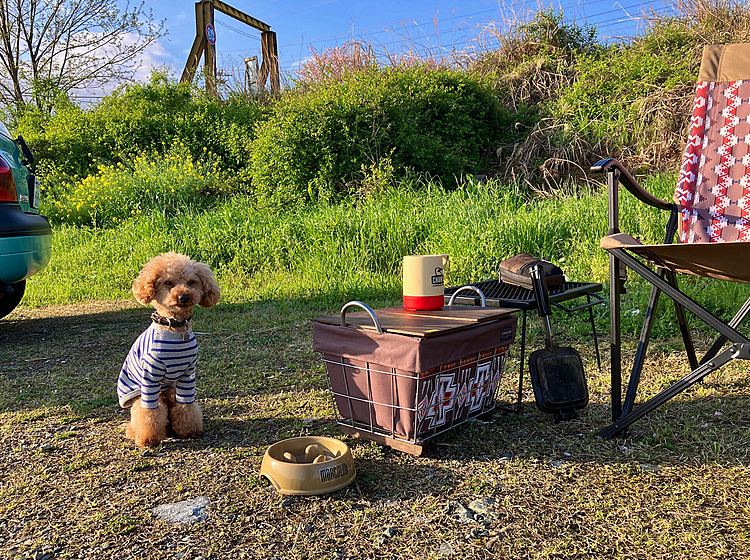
(153,57)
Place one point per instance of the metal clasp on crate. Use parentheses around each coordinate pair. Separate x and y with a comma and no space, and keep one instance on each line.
(483,301)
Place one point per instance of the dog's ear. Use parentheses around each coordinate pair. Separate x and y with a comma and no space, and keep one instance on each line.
(211,290)
(144,287)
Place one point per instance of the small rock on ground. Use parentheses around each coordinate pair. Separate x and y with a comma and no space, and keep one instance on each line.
(460,513)
(445,550)
(482,505)
(479,511)
(186,512)
(390,532)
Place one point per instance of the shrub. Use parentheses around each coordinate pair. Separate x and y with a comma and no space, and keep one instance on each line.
(549,31)
(169,185)
(141,119)
(317,141)
(631,100)
(335,63)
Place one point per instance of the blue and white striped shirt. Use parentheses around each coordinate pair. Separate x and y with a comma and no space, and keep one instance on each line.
(159,359)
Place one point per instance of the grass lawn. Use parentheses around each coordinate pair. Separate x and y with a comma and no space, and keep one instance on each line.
(73,487)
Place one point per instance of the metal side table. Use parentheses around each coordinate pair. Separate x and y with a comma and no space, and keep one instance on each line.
(500,294)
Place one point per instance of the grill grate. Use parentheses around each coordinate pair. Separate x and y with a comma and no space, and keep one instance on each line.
(500,294)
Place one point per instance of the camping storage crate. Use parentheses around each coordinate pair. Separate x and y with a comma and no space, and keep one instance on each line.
(425,373)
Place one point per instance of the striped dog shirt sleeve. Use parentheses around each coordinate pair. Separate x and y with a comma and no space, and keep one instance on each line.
(152,373)
(185,386)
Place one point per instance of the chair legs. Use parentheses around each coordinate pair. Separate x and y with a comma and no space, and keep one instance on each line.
(623,413)
(736,351)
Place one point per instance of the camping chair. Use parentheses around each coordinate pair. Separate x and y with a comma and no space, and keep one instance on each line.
(711,211)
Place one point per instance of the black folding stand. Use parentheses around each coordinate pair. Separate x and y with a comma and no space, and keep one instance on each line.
(500,294)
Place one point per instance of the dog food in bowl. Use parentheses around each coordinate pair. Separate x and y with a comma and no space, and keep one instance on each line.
(308,465)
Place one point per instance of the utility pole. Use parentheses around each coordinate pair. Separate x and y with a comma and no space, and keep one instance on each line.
(205,44)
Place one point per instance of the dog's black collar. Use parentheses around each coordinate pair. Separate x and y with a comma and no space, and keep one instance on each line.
(167,322)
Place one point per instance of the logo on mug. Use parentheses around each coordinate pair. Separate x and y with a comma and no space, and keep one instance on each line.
(437,279)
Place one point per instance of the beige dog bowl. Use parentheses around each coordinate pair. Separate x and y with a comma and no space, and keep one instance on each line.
(308,465)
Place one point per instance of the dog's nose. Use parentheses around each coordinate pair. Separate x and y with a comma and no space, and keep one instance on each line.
(184,298)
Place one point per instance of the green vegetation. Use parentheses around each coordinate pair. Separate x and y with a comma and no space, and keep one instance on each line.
(306,201)
(536,105)
(168,185)
(322,140)
(319,193)
(328,254)
(140,120)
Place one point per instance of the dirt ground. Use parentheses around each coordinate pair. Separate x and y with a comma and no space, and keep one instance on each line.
(518,486)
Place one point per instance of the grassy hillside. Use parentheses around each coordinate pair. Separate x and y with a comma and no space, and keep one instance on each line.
(320,192)
(538,103)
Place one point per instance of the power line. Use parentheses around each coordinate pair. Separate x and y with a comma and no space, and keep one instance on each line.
(426,36)
(415,24)
(418,40)
(395,22)
(239,31)
(466,40)
(608,22)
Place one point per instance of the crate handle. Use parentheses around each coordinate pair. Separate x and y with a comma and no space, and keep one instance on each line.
(366,308)
(469,287)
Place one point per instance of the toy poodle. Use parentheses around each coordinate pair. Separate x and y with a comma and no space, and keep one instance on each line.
(157,380)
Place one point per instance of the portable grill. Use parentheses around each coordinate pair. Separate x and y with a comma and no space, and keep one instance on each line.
(500,294)
(401,378)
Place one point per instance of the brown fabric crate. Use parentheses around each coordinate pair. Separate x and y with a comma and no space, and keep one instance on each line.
(412,387)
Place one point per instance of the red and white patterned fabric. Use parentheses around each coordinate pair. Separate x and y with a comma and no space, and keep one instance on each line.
(713,189)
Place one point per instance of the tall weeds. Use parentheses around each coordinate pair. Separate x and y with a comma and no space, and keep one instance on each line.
(630,101)
(709,21)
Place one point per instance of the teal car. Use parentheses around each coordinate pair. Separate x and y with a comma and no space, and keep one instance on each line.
(25,236)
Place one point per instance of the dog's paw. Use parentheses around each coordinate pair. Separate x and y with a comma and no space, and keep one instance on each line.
(186,420)
(189,433)
(147,427)
(147,441)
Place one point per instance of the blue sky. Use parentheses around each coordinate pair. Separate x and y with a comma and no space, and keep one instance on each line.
(304,24)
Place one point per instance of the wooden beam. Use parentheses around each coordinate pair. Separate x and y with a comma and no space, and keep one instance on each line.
(209,54)
(204,15)
(199,45)
(398,444)
(275,79)
(269,68)
(192,61)
(241,16)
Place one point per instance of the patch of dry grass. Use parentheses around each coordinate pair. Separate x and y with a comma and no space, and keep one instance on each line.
(72,486)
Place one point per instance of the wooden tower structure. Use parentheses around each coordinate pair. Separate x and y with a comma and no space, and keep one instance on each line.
(205,45)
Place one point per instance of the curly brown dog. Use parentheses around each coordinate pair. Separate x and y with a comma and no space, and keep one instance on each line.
(157,380)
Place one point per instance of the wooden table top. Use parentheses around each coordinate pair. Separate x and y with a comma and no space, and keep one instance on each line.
(397,320)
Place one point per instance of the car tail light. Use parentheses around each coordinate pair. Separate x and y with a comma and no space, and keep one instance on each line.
(7,183)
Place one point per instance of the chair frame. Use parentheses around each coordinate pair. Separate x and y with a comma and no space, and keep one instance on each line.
(664,280)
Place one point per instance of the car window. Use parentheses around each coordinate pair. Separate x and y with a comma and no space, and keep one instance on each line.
(4,131)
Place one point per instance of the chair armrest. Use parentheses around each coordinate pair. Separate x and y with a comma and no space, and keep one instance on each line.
(629,182)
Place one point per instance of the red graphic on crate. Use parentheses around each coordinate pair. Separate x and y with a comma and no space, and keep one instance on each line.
(459,390)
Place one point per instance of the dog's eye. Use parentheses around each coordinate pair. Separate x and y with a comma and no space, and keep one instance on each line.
(168,283)
(191,282)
